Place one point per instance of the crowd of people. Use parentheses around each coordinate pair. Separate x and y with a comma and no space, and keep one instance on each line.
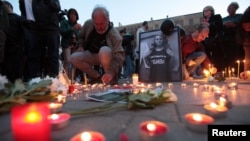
(30,44)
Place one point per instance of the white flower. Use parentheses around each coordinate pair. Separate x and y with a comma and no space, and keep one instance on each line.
(34,80)
(3,81)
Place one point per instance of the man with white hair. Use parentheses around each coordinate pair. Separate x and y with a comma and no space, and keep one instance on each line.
(102,45)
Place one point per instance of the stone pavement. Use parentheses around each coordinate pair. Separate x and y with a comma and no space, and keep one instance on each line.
(122,121)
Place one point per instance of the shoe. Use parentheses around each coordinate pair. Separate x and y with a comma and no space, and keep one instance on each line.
(95,80)
(198,76)
(189,78)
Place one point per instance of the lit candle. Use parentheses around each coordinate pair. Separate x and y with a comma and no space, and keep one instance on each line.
(71,89)
(238,62)
(218,93)
(30,123)
(170,85)
(232,85)
(248,74)
(59,120)
(135,79)
(198,122)
(183,85)
(223,74)
(61,98)
(196,85)
(206,73)
(215,110)
(55,107)
(153,130)
(88,136)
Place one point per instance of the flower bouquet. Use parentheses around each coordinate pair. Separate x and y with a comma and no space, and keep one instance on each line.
(36,90)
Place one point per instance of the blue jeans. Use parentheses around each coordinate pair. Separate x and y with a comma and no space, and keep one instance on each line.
(198,57)
(129,67)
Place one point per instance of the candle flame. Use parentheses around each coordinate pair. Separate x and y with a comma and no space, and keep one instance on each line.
(54,116)
(33,117)
(213,105)
(197,117)
(151,127)
(86,136)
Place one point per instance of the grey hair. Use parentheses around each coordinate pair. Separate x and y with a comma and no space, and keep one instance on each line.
(101,8)
(209,7)
(234,4)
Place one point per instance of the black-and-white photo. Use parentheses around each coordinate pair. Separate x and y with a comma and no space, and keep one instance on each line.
(160,57)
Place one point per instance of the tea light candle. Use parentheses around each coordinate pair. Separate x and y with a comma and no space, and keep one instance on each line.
(198,122)
(232,85)
(183,85)
(59,120)
(206,87)
(135,79)
(153,130)
(215,110)
(55,107)
(218,93)
(71,89)
(170,85)
(61,98)
(30,123)
(88,136)
(196,85)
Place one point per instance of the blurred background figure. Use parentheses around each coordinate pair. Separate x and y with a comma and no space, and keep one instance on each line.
(44,36)
(69,29)
(233,50)
(4,26)
(141,29)
(243,38)
(13,59)
(129,65)
(213,43)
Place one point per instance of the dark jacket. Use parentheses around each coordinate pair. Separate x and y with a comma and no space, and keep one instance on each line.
(45,14)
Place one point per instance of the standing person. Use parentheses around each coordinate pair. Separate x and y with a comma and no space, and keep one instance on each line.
(128,66)
(102,45)
(243,38)
(233,50)
(13,60)
(69,30)
(143,28)
(44,35)
(158,60)
(213,43)
(4,26)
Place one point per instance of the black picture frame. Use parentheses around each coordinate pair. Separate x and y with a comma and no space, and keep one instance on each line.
(164,65)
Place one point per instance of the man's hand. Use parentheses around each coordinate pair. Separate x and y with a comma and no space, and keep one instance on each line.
(243,75)
(106,78)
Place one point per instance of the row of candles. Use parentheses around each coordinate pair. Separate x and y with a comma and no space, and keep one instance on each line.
(39,118)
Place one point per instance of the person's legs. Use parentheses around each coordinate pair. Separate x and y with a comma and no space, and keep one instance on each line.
(198,58)
(2,44)
(34,55)
(53,54)
(66,61)
(85,61)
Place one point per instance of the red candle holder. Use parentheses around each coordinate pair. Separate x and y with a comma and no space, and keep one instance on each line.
(88,136)
(198,122)
(30,123)
(71,89)
(153,130)
(59,120)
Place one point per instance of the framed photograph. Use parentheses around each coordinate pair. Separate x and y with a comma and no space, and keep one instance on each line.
(160,57)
